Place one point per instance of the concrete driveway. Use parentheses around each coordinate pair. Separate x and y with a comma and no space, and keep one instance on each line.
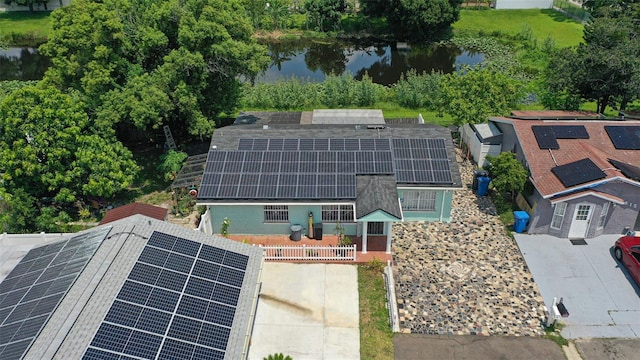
(307,311)
(602,300)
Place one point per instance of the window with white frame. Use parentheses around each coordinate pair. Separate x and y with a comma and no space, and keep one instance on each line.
(558,215)
(603,215)
(337,213)
(276,213)
(421,200)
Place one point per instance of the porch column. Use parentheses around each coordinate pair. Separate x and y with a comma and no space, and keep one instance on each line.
(364,237)
(389,236)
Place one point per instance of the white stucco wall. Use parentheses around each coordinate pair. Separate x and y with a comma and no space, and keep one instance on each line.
(523,4)
(51,5)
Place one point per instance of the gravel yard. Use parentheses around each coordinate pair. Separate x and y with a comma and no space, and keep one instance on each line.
(465,277)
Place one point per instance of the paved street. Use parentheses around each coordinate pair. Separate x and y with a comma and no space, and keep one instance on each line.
(465,277)
(601,299)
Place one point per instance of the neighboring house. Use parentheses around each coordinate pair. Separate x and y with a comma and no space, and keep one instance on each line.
(522,4)
(39,5)
(121,212)
(348,167)
(585,173)
(136,288)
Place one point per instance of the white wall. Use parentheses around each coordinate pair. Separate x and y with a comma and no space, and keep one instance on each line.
(51,5)
(523,4)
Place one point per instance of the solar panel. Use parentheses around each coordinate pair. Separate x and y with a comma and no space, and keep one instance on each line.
(570,132)
(419,161)
(578,172)
(188,315)
(545,137)
(35,287)
(624,137)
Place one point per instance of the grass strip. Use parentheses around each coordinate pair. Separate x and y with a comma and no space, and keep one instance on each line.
(376,338)
(534,23)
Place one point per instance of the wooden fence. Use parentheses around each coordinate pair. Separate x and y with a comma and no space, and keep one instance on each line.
(309,253)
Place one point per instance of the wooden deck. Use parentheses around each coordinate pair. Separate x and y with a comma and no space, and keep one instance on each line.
(376,245)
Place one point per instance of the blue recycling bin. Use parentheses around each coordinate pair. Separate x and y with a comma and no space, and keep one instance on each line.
(521,220)
(483,185)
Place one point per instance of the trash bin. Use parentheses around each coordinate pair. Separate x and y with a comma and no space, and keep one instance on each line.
(483,185)
(317,231)
(521,220)
(296,233)
(476,175)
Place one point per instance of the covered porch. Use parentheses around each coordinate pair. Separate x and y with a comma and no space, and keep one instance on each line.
(376,245)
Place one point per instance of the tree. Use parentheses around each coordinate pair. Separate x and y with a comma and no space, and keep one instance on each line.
(52,155)
(325,15)
(507,173)
(421,19)
(471,96)
(152,63)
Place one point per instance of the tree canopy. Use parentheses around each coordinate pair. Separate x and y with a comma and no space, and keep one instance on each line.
(605,68)
(415,19)
(51,153)
(472,96)
(147,63)
(507,173)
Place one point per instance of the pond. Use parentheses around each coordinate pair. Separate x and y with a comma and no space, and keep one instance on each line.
(22,64)
(312,60)
(384,62)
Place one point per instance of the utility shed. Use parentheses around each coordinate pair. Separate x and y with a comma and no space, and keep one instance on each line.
(482,140)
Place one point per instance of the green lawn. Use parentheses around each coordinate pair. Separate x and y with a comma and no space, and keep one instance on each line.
(542,24)
(376,338)
(25,28)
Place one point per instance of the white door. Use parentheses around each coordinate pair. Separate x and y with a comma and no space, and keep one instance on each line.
(580,222)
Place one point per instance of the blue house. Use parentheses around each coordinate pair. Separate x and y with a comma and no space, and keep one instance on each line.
(348,169)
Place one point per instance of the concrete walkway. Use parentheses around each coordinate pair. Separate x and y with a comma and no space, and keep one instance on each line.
(307,311)
(602,301)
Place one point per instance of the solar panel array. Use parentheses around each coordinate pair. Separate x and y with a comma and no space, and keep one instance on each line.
(178,302)
(320,144)
(578,172)
(280,168)
(34,288)
(421,161)
(624,137)
(546,135)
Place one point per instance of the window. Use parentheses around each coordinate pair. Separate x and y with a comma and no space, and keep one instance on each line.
(337,213)
(603,215)
(276,213)
(419,200)
(558,215)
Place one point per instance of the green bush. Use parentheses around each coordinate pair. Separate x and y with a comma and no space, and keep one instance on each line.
(418,90)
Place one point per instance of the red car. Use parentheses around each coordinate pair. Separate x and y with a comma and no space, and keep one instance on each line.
(627,251)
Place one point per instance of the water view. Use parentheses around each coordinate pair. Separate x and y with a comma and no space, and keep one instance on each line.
(313,60)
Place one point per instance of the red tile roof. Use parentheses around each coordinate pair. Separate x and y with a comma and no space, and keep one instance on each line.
(124,211)
(598,148)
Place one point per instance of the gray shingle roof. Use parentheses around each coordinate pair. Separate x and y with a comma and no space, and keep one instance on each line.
(71,327)
(375,193)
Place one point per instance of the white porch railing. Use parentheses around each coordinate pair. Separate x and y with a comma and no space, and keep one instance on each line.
(309,253)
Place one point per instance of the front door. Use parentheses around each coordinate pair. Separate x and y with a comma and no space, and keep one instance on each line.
(375,228)
(581,220)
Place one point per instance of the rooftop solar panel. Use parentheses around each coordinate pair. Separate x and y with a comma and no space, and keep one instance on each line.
(570,132)
(578,172)
(188,315)
(35,287)
(545,137)
(624,137)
